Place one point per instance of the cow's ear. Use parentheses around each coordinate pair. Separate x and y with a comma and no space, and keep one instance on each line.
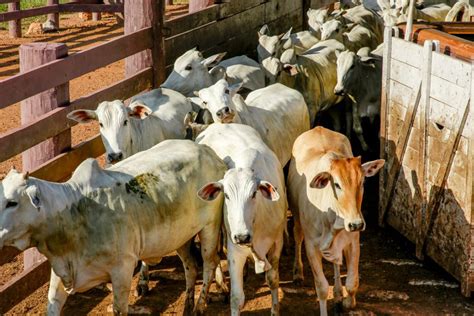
(290,69)
(320,180)
(210,191)
(234,88)
(337,52)
(82,116)
(33,194)
(213,60)
(189,118)
(372,167)
(268,191)
(263,31)
(217,73)
(139,111)
(285,36)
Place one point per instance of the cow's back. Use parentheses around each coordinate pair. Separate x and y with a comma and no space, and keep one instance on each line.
(279,114)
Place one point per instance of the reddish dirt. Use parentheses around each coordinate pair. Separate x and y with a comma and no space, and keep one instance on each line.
(384,287)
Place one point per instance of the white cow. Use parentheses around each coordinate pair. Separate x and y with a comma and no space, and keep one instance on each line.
(191,72)
(325,188)
(149,119)
(461,11)
(96,226)
(353,36)
(277,112)
(312,73)
(254,207)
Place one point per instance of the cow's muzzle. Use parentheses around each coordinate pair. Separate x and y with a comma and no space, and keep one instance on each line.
(356,226)
(114,157)
(243,239)
(339,92)
(226,115)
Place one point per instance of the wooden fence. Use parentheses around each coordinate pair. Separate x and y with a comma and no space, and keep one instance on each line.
(53,8)
(231,26)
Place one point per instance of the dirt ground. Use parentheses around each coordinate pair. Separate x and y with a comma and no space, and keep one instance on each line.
(390,276)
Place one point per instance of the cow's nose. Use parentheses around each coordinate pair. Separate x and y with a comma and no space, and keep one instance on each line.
(114,157)
(242,238)
(338,92)
(356,226)
(226,110)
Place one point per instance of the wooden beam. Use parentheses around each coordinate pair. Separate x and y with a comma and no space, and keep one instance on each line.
(449,44)
(60,168)
(67,7)
(8,1)
(23,284)
(7,254)
(17,15)
(54,122)
(197,5)
(24,85)
(158,49)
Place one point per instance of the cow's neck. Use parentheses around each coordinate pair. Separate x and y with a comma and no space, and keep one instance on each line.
(145,133)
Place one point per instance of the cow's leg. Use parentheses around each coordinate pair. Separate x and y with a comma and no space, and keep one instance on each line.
(348,115)
(190,271)
(220,279)
(338,294)
(209,237)
(121,278)
(57,295)
(298,276)
(143,280)
(357,126)
(272,275)
(320,282)
(236,259)
(351,254)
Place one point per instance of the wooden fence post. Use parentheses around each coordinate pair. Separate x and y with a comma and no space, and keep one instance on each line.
(14,27)
(54,17)
(96,16)
(33,55)
(197,5)
(141,14)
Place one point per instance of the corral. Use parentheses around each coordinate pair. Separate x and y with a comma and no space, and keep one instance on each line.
(210,28)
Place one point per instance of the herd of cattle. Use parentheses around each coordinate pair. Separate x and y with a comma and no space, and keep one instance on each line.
(246,120)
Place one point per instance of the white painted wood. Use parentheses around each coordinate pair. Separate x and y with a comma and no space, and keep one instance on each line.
(404,73)
(449,93)
(444,114)
(451,69)
(400,93)
(407,52)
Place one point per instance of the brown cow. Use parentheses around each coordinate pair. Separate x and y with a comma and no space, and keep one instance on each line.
(325,188)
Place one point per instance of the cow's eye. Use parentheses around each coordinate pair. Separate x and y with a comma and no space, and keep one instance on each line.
(188,67)
(226,91)
(254,195)
(101,125)
(337,186)
(226,196)
(337,30)
(11,204)
(204,102)
(125,123)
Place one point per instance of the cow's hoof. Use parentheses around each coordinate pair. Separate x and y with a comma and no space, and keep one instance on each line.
(349,302)
(141,290)
(200,309)
(298,281)
(338,308)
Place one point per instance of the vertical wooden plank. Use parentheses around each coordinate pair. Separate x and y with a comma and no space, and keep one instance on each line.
(306,5)
(423,143)
(14,27)
(53,17)
(96,16)
(138,14)
(33,55)
(467,283)
(197,5)
(158,50)
(384,112)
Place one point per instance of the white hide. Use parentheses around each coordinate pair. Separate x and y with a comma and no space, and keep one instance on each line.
(254,206)
(277,112)
(149,119)
(97,225)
